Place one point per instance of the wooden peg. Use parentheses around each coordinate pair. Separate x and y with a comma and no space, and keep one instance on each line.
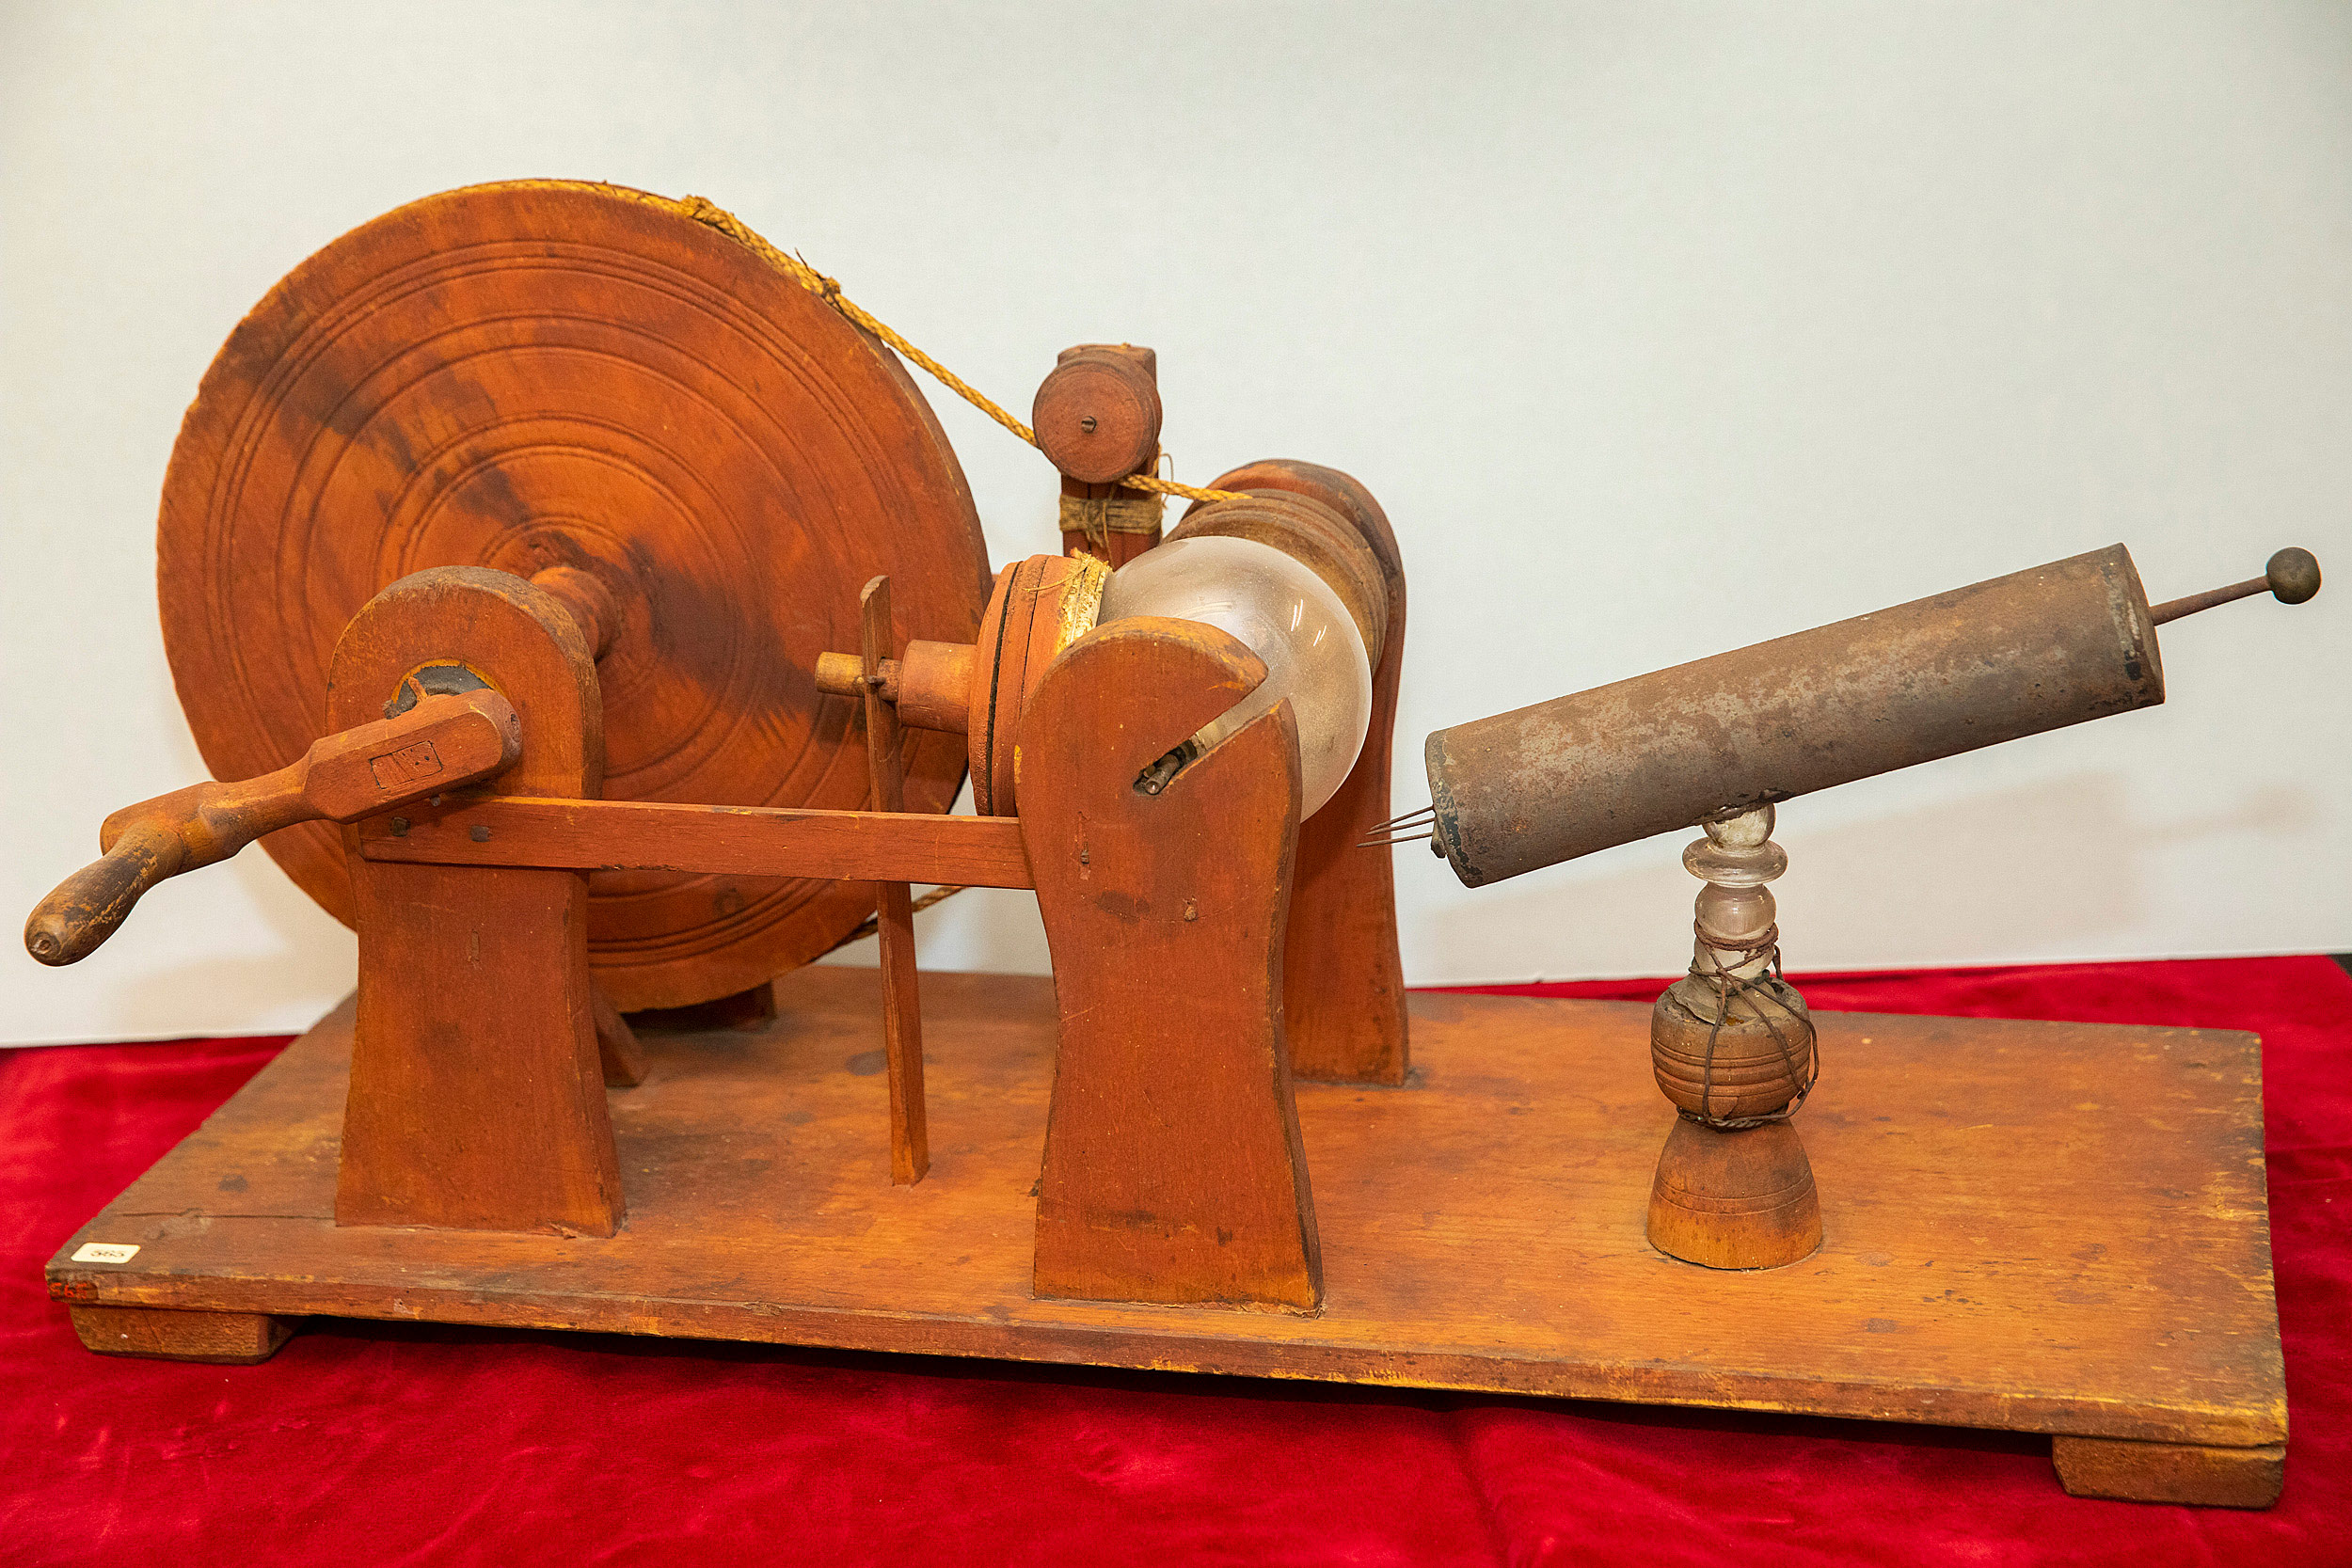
(894,905)
(930,686)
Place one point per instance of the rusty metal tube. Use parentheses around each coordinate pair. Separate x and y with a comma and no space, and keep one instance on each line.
(2037,650)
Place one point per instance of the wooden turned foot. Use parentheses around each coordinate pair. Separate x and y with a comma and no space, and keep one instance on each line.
(1734,1200)
(231,1339)
(2170,1472)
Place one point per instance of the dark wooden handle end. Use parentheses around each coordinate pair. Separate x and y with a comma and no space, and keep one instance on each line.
(84,909)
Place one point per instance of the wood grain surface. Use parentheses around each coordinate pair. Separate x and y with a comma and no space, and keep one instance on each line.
(445,1128)
(751,841)
(1173,1167)
(228,1339)
(2041,1227)
(2170,1472)
(893,911)
(542,376)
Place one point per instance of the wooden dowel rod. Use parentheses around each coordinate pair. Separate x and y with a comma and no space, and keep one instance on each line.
(742,841)
(894,914)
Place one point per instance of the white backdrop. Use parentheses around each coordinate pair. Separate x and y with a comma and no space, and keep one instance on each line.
(1659,330)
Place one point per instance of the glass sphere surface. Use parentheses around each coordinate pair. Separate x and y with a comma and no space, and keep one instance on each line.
(1278,608)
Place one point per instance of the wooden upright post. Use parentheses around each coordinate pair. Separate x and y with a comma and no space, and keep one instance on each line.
(894,908)
(1344,1010)
(1173,1170)
(477,1092)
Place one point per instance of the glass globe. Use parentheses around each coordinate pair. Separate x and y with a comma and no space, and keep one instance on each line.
(1285,614)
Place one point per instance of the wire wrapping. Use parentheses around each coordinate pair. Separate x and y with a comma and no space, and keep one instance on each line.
(1407,828)
(1729,987)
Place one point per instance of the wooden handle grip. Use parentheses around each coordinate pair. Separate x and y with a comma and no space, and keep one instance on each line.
(440,743)
(84,909)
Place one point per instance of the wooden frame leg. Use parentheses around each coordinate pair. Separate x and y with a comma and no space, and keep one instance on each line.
(228,1339)
(2170,1472)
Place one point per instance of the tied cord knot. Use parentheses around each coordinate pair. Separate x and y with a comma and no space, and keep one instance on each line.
(1100,517)
(1730,987)
(828,289)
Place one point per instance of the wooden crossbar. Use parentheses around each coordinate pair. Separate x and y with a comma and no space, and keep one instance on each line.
(744,840)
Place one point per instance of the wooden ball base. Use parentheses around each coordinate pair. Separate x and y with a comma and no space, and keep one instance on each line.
(2049,1228)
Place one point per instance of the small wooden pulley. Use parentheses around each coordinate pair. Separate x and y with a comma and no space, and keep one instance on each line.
(1098,415)
(585,387)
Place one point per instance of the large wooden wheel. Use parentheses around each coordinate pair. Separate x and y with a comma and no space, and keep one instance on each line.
(543,375)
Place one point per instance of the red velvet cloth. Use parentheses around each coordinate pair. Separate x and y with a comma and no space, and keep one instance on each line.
(364,1443)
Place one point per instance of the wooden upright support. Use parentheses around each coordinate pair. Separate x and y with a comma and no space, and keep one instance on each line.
(1173,1170)
(1344,1008)
(477,1091)
(894,909)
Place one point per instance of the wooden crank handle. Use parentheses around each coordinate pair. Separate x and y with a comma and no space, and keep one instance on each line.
(440,743)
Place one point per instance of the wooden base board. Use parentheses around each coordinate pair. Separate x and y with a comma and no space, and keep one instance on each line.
(2036,1226)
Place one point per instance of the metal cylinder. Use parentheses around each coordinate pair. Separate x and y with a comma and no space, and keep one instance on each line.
(2037,650)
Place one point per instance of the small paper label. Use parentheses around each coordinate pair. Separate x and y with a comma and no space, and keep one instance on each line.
(106,1252)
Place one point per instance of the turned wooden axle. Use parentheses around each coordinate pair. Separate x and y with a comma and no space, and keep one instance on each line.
(589,601)
(930,684)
